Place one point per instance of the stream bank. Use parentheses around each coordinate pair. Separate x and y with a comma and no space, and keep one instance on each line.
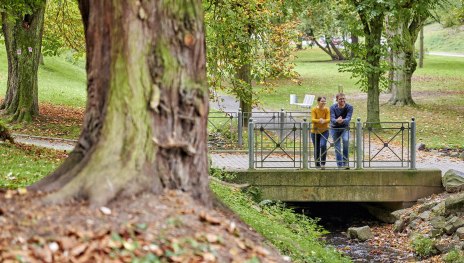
(386,246)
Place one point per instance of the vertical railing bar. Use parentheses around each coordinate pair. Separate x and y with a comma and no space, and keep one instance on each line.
(305,133)
(240,128)
(413,143)
(251,157)
(358,144)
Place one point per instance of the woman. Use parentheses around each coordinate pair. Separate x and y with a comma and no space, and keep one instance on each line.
(320,119)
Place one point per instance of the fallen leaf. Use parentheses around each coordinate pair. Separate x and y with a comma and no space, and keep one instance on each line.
(105,210)
(208,218)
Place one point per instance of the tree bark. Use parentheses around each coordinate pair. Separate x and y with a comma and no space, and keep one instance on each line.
(245,92)
(373,33)
(23,41)
(404,62)
(145,122)
(421,48)
(354,42)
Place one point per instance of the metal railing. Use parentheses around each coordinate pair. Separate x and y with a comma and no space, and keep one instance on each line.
(282,140)
(370,145)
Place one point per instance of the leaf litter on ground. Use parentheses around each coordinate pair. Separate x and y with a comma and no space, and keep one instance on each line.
(167,228)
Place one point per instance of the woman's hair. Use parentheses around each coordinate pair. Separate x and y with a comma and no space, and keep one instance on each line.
(320,98)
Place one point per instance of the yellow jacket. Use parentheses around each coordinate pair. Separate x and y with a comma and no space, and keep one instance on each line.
(316,115)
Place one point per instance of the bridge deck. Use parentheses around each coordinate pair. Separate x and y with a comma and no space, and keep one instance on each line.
(366,185)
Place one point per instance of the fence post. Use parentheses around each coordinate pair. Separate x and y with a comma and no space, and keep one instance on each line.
(359,147)
(305,132)
(251,145)
(413,143)
(240,127)
(281,124)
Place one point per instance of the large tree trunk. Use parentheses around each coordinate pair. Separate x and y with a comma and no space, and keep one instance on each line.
(404,66)
(23,41)
(404,62)
(145,121)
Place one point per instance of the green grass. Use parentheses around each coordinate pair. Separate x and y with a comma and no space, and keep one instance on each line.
(437,89)
(293,234)
(23,165)
(437,38)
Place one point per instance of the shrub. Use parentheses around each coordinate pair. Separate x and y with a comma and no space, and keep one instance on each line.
(423,246)
(454,256)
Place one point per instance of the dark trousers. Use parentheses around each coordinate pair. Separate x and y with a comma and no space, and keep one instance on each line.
(320,147)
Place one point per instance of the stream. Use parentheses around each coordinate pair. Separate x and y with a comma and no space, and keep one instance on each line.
(337,218)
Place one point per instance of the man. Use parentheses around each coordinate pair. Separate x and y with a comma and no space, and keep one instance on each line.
(340,117)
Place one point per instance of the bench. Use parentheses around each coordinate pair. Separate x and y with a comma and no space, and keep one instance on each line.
(307,101)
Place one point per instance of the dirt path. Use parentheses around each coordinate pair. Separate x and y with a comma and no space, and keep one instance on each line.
(445,54)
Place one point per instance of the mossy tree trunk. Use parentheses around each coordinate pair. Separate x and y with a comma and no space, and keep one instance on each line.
(145,122)
(23,41)
(407,27)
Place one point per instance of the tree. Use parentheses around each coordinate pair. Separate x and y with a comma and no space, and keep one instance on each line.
(404,25)
(367,65)
(63,29)
(248,41)
(145,121)
(22,25)
(325,22)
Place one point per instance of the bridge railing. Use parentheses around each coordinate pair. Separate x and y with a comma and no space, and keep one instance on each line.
(227,130)
(282,138)
(387,145)
(371,145)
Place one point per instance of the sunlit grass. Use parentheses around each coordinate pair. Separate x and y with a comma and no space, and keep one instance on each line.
(438,90)
(22,165)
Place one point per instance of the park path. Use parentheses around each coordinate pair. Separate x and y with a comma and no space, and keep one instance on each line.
(239,161)
(446,54)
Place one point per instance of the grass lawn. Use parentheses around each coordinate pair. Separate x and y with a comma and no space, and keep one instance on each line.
(438,90)
(437,38)
(22,165)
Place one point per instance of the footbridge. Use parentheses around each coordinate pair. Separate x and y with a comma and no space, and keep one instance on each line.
(274,152)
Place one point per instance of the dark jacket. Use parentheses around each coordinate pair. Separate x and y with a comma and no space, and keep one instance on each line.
(345,112)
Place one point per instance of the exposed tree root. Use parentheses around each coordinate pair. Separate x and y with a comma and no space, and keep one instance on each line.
(405,102)
(60,176)
(5,134)
(102,187)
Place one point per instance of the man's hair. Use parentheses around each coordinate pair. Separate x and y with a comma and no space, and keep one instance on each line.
(340,95)
(320,98)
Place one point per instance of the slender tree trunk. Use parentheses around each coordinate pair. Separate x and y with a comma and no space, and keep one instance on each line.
(373,57)
(145,121)
(373,77)
(421,48)
(23,41)
(337,51)
(244,90)
(391,71)
(354,41)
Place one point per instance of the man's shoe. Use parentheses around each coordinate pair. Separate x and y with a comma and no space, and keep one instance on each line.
(347,167)
(322,167)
